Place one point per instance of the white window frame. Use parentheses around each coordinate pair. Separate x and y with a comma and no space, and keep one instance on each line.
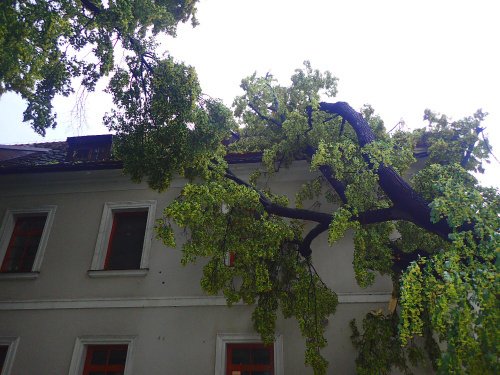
(242,338)
(80,351)
(12,343)
(8,223)
(101,247)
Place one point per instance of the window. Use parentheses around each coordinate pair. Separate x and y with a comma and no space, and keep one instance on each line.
(3,356)
(105,359)
(91,148)
(23,244)
(249,359)
(229,259)
(102,355)
(23,240)
(245,354)
(8,347)
(124,239)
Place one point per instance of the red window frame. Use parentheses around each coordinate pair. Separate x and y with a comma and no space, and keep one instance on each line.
(112,234)
(230,366)
(32,235)
(229,260)
(106,367)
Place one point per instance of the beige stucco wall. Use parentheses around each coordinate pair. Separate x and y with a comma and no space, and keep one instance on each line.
(175,338)
(169,340)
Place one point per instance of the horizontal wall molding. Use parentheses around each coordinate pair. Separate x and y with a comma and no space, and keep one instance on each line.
(152,302)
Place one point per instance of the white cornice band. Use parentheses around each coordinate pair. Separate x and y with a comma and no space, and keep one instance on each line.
(107,303)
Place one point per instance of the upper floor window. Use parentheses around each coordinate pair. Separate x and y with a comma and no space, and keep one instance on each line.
(124,239)
(23,239)
(23,244)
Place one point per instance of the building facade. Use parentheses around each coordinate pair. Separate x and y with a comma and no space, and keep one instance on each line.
(86,288)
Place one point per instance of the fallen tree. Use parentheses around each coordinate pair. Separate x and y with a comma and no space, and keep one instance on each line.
(435,235)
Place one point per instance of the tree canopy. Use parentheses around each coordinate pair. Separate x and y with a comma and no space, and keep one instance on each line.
(44,45)
(436,235)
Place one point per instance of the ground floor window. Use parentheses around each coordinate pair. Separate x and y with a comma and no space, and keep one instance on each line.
(245,354)
(8,347)
(102,355)
(249,359)
(3,355)
(105,360)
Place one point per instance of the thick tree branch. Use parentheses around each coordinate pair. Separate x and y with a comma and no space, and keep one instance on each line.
(402,260)
(382,215)
(305,245)
(365,218)
(395,187)
(327,172)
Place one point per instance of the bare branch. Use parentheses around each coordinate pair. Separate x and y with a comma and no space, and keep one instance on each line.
(470,148)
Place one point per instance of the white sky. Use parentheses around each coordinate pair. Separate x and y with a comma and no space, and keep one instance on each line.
(399,56)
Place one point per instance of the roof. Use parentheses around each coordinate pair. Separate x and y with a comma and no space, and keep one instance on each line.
(57,156)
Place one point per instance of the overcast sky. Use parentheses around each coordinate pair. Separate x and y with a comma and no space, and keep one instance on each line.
(399,56)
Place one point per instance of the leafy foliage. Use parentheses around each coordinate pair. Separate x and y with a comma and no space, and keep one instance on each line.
(226,218)
(44,45)
(436,236)
(379,347)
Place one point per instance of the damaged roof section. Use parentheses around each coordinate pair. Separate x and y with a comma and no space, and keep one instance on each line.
(76,153)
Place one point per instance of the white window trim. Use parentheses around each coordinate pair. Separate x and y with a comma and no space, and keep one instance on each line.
(237,338)
(12,342)
(79,351)
(6,234)
(102,242)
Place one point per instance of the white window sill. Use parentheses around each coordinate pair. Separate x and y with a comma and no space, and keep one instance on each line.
(19,275)
(118,273)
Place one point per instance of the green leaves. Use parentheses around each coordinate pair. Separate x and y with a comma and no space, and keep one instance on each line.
(46,44)
(162,118)
(380,350)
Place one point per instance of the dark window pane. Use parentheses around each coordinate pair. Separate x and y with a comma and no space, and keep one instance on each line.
(126,240)
(3,355)
(81,154)
(261,373)
(99,357)
(105,360)
(241,356)
(261,356)
(118,357)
